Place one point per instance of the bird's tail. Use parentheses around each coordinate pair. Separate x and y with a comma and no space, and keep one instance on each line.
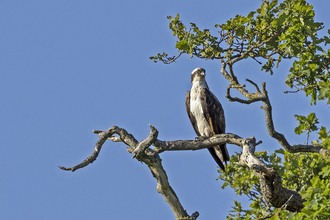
(217,159)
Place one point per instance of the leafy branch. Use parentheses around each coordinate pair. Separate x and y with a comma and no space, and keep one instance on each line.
(271,33)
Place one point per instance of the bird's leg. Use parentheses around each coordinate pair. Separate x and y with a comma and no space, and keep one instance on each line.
(200,138)
(203,137)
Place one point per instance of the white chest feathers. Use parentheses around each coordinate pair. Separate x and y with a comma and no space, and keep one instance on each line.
(197,111)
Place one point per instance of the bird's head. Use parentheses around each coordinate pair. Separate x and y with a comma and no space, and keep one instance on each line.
(198,74)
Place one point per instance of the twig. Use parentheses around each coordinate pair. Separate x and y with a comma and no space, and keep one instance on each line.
(97,148)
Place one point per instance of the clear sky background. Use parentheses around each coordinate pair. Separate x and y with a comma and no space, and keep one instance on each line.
(68,67)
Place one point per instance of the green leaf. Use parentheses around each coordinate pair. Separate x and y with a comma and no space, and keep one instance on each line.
(306,124)
(324,91)
(182,45)
(274,217)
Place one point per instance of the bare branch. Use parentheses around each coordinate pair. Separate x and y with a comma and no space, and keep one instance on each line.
(263,96)
(310,148)
(256,60)
(252,97)
(112,138)
(301,89)
(255,85)
(218,139)
(192,217)
(271,186)
(270,182)
(143,145)
(170,60)
(143,153)
(103,137)
(273,192)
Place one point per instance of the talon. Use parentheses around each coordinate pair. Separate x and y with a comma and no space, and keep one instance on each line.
(201,138)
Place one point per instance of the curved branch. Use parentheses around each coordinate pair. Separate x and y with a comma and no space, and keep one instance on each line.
(143,153)
(281,138)
(252,97)
(97,148)
(263,96)
(270,182)
(170,60)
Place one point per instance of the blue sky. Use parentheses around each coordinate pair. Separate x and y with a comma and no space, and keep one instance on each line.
(68,67)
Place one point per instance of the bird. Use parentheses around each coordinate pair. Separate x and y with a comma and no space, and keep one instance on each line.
(206,114)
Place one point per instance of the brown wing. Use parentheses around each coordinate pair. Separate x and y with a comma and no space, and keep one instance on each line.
(191,117)
(213,111)
(215,116)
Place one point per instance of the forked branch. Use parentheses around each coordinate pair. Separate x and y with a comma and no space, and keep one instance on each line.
(267,107)
(143,153)
(271,185)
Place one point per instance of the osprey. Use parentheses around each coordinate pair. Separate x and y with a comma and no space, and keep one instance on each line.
(206,114)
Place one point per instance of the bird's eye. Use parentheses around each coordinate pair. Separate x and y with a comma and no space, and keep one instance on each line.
(198,71)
